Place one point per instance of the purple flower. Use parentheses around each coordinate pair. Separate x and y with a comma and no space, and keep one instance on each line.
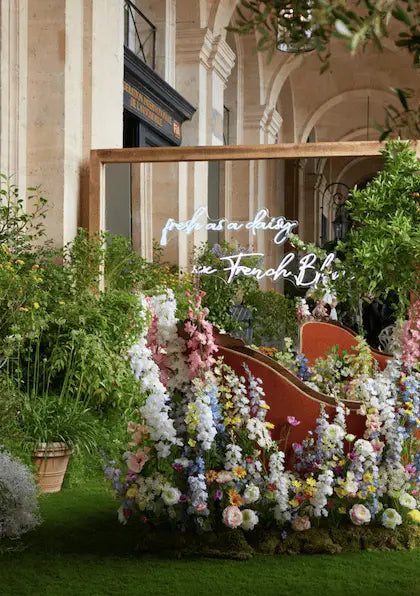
(183,499)
(297,447)
(217,495)
(292,421)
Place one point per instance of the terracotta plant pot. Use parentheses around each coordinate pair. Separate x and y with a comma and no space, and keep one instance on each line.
(51,459)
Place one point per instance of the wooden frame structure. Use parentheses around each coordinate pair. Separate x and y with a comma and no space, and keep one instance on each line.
(94,211)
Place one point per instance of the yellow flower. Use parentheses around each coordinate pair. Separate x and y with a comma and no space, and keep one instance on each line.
(36,305)
(236,420)
(360,495)
(265,406)
(371,489)
(20,262)
(239,472)
(296,483)
(192,443)
(341,462)
(414,514)
(311,481)
(234,498)
(340,492)
(131,493)
(23,308)
(341,510)
(269,425)
(61,302)
(367,477)
(35,266)
(294,503)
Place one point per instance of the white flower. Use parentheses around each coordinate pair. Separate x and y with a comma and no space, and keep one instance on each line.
(333,433)
(170,495)
(257,431)
(249,519)
(359,515)
(407,500)
(232,516)
(350,485)
(364,448)
(350,438)
(391,519)
(251,494)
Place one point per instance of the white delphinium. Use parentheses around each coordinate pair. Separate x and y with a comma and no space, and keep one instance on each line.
(206,427)
(233,457)
(257,431)
(198,493)
(279,479)
(18,498)
(155,411)
(324,488)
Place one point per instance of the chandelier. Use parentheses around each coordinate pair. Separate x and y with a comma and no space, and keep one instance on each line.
(295,31)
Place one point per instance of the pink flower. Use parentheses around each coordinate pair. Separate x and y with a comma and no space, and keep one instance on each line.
(301,523)
(183,499)
(224,477)
(217,495)
(297,447)
(377,445)
(200,507)
(359,515)
(178,467)
(136,461)
(292,421)
(232,516)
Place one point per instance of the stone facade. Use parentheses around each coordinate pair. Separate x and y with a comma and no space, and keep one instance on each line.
(62,64)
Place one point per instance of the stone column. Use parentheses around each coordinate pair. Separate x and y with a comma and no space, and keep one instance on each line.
(75,98)
(13,90)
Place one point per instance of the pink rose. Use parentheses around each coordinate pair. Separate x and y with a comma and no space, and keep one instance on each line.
(301,523)
(224,477)
(359,515)
(232,516)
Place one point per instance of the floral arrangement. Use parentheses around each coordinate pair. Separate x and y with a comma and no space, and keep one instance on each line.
(338,373)
(201,456)
(18,498)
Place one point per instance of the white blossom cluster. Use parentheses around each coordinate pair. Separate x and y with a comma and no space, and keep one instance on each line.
(279,478)
(155,411)
(324,489)
(206,428)
(257,431)
(18,498)
(233,457)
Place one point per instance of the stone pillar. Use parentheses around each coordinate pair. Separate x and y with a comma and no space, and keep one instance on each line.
(75,97)
(55,84)
(13,90)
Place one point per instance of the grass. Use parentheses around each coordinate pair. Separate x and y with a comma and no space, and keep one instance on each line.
(80,549)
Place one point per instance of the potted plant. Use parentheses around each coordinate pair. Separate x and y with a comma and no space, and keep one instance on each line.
(53,415)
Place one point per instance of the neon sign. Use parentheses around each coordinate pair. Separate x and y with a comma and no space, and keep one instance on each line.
(305,272)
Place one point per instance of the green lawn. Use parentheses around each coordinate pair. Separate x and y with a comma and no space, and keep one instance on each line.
(80,549)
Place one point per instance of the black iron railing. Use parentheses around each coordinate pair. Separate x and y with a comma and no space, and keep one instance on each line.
(139,34)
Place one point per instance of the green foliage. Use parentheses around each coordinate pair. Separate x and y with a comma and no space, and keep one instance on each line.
(311,24)
(382,250)
(221,295)
(273,319)
(20,227)
(403,122)
(358,22)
